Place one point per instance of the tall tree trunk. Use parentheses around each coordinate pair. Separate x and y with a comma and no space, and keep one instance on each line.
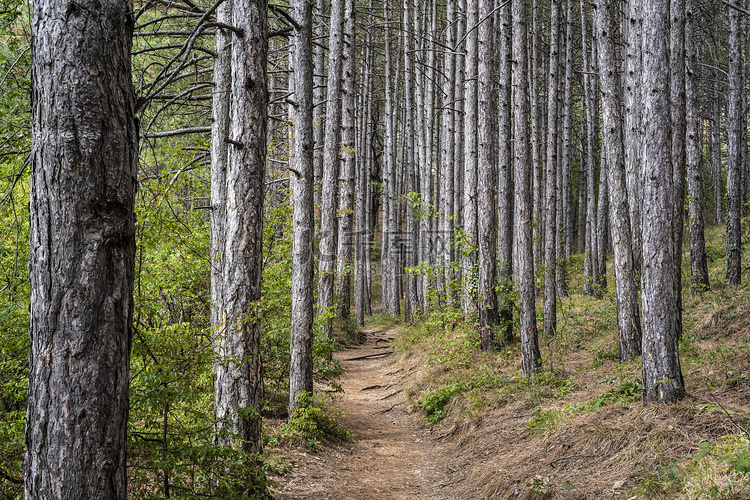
(628,318)
(715,146)
(633,132)
(536,143)
(319,94)
(550,205)
(582,184)
(486,231)
(411,304)
(565,229)
(447,145)
(530,357)
(238,377)
(734,158)
(391,234)
(693,164)
(301,333)
(591,267)
(81,262)
(661,373)
(677,112)
(328,234)
(602,218)
(347,170)
(470,159)
(458,148)
(505,178)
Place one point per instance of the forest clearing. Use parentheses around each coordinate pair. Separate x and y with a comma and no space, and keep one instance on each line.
(365,249)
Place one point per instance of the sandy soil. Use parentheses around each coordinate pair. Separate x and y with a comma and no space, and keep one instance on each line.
(390,455)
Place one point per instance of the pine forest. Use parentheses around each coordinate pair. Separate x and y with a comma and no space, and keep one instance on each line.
(374,249)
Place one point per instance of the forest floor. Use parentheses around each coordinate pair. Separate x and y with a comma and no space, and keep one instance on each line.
(390,453)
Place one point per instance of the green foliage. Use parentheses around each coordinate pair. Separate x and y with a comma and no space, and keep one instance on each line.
(14,323)
(733,454)
(310,423)
(436,400)
(626,392)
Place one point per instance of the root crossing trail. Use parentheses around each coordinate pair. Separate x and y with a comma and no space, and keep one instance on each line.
(389,456)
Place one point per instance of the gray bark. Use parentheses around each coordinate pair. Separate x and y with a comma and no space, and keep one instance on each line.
(505,178)
(536,143)
(715,147)
(458,148)
(319,94)
(82,250)
(486,229)
(447,172)
(391,236)
(677,99)
(628,318)
(411,305)
(347,171)
(328,234)
(698,264)
(661,373)
(633,131)
(734,158)
(530,357)
(303,224)
(469,209)
(550,205)
(591,267)
(238,377)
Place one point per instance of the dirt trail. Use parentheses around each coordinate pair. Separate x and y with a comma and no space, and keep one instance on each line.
(389,456)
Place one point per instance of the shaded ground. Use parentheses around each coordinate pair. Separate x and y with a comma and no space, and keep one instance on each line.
(389,455)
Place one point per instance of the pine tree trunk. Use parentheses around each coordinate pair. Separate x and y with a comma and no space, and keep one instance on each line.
(347,170)
(591,267)
(530,356)
(715,148)
(328,233)
(458,148)
(411,304)
(391,236)
(633,132)
(486,230)
(301,332)
(470,160)
(82,251)
(677,99)
(628,317)
(447,155)
(734,158)
(698,263)
(505,178)
(238,377)
(319,95)
(550,205)
(536,144)
(661,373)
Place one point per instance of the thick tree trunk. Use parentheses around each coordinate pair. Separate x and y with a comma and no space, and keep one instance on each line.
(319,95)
(347,171)
(470,160)
(391,236)
(411,304)
(536,144)
(84,169)
(328,233)
(591,267)
(698,264)
(582,183)
(565,245)
(447,172)
(458,148)
(530,357)
(633,131)
(303,225)
(505,178)
(661,373)
(735,123)
(486,230)
(677,100)
(628,317)
(238,377)
(550,205)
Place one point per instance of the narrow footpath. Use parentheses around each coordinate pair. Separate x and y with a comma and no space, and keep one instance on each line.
(389,455)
